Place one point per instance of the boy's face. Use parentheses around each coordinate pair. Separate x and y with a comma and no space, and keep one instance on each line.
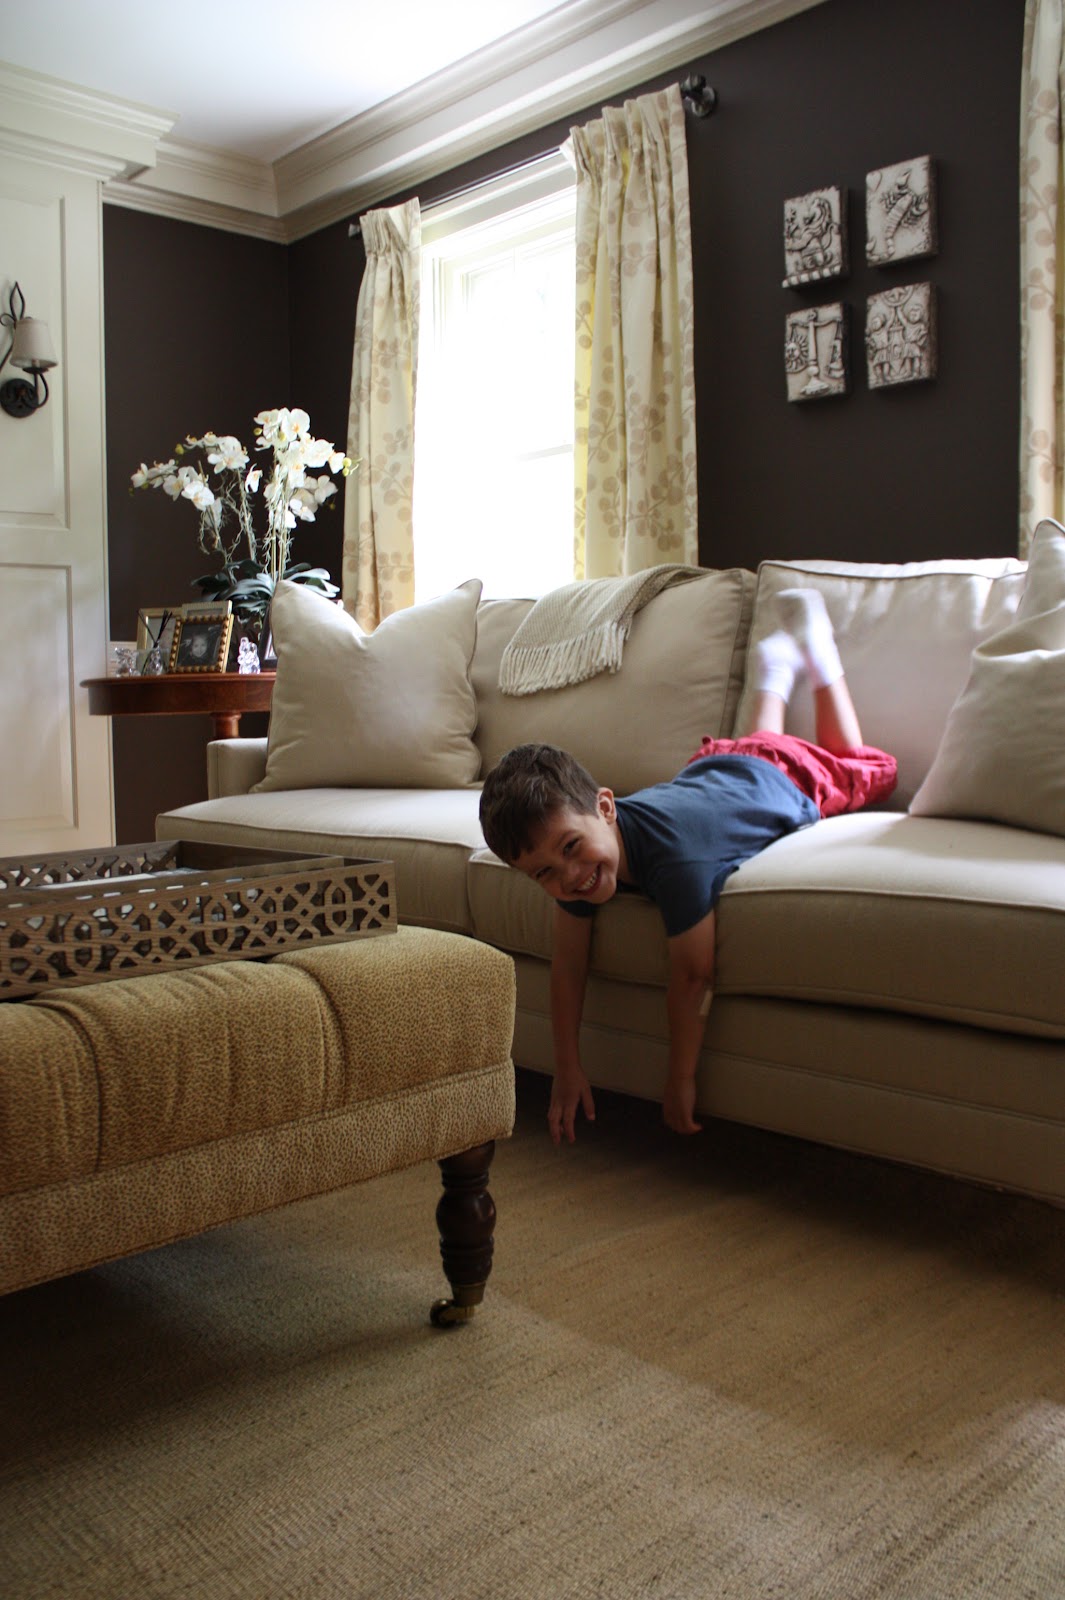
(576,855)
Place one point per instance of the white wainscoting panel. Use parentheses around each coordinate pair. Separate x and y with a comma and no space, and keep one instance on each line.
(37,776)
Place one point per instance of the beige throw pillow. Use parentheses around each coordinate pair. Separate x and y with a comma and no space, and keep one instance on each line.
(388,709)
(1002,755)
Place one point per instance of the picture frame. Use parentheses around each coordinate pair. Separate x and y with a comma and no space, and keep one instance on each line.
(901,344)
(201,642)
(901,212)
(816,351)
(815,237)
(156,626)
(207,608)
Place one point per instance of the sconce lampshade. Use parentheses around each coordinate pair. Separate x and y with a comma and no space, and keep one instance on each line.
(31,345)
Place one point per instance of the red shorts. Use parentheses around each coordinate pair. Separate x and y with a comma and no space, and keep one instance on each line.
(834,783)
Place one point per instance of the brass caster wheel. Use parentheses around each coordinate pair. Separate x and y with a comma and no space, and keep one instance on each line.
(446,1314)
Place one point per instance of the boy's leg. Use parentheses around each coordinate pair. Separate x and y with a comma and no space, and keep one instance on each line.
(807,622)
(837,728)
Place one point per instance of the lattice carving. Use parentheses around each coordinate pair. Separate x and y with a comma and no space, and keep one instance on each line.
(96,915)
(87,865)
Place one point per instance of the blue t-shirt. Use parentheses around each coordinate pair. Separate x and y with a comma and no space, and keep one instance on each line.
(683,838)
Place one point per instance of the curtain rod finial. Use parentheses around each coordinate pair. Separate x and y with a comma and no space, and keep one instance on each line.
(699,95)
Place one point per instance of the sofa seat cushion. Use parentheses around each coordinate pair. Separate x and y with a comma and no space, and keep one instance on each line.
(509,910)
(427,833)
(963,921)
(960,921)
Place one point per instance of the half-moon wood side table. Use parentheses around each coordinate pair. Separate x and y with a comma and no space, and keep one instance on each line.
(223,696)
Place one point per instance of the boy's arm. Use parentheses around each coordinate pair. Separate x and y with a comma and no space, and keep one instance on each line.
(569,972)
(691,987)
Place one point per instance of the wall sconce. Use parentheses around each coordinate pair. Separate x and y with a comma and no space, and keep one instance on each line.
(31,349)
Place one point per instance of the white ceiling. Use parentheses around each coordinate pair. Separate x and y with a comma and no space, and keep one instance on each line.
(256,77)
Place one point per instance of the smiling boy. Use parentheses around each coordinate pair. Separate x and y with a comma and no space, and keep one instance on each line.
(678,841)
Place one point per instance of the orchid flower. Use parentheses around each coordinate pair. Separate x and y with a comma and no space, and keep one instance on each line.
(322,488)
(228,455)
(291,494)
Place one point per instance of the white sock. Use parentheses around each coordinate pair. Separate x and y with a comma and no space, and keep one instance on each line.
(777,662)
(803,613)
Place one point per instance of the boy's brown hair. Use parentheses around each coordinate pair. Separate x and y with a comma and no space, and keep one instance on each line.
(526,787)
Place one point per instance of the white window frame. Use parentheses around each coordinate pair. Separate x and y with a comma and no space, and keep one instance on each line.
(535,203)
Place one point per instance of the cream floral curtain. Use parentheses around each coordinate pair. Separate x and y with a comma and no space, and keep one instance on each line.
(1042,268)
(635,494)
(378,534)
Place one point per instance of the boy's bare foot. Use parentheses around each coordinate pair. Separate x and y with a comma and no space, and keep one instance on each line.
(678,1106)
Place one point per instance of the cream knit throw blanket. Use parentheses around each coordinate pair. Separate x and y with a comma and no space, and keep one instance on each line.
(580,630)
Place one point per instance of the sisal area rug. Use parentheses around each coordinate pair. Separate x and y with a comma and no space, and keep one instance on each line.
(738,1367)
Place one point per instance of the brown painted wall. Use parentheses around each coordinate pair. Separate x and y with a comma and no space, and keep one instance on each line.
(196,334)
(925,470)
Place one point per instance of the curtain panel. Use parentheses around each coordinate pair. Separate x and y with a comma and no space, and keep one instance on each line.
(1042,444)
(378,565)
(634,445)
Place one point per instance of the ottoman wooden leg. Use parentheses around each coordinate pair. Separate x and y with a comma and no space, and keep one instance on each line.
(466,1217)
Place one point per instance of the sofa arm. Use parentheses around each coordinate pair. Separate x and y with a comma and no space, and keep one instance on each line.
(233,765)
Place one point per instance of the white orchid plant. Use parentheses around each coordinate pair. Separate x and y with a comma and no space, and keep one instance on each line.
(221,488)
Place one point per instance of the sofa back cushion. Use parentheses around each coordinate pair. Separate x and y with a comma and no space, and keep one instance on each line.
(680,678)
(906,634)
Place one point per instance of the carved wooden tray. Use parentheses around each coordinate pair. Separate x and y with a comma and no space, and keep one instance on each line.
(173,903)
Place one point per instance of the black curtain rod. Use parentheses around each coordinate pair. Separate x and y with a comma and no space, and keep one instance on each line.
(697,94)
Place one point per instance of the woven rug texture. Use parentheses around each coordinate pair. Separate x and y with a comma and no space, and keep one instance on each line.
(738,1367)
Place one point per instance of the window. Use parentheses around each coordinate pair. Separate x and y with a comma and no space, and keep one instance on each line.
(493,475)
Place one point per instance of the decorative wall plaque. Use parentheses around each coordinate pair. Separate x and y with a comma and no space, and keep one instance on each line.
(900,212)
(815,352)
(900,335)
(815,237)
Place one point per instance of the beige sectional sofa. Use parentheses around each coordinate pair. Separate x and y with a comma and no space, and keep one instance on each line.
(887,982)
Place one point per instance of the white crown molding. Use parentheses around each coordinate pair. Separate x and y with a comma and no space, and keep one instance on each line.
(555,66)
(474,107)
(511,88)
(207,213)
(200,175)
(66,125)
(398,135)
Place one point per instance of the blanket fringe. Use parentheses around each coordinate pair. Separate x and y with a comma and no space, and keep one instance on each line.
(532,668)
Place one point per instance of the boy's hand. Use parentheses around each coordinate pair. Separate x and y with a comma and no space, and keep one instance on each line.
(678,1104)
(569,1090)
